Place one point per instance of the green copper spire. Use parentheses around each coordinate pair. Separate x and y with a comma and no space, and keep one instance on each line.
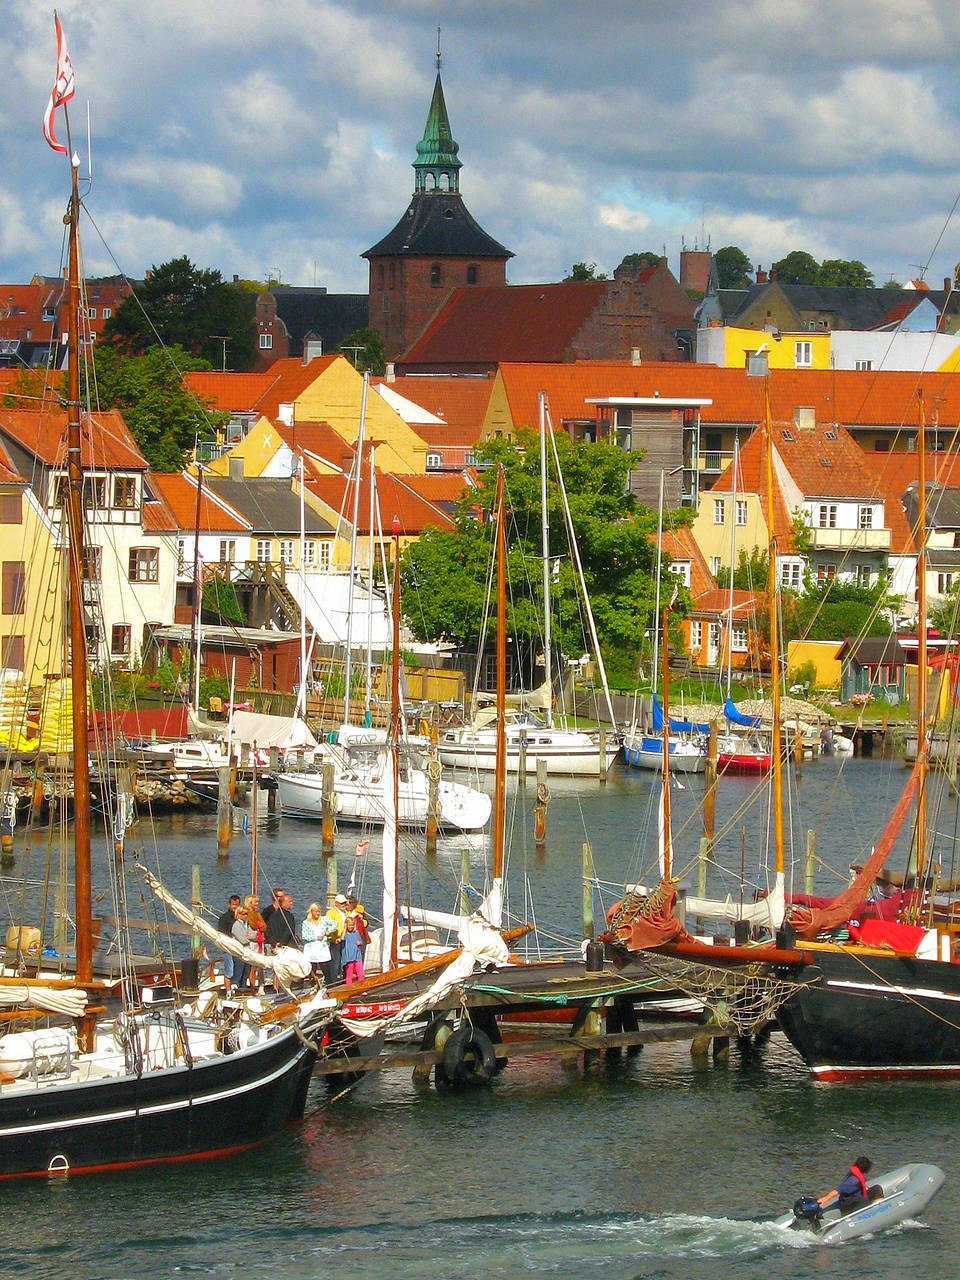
(436,166)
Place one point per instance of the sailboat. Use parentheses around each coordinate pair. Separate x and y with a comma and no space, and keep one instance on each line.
(158,1081)
(885,1000)
(360,754)
(528,737)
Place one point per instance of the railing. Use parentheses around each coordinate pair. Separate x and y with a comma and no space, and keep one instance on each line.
(849,539)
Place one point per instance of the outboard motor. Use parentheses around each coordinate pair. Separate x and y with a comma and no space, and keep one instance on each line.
(808,1209)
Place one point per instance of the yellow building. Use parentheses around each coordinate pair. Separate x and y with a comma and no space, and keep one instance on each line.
(729,346)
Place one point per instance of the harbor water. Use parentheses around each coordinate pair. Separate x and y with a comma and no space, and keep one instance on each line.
(656,1166)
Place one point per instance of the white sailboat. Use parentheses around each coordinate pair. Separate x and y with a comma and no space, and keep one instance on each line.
(528,737)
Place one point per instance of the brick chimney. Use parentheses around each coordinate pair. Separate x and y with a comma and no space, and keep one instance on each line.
(761,276)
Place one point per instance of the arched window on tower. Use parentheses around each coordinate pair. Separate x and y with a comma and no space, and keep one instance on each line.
(444,182)
(431,181)
(436,275)
(471,274)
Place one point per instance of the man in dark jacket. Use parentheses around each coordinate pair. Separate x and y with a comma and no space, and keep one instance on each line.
(281,928)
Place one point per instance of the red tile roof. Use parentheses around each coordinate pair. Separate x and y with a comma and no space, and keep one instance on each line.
(716,603)
(105,440)
(22,307)
(851,398)
(680,544)
(290,378)
(461,403)
(516,322)
(752,478)
(231,392)
(179,491)
(412,499)
(318,439)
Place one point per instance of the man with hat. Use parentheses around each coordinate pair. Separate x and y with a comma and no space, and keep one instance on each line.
(336,918)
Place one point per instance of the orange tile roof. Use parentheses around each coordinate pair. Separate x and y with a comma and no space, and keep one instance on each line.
(291,377)
(717,602)
(850,398)
(483,324)
(680,544)
(461,403)
(230,392)
(105,440)
(8,472)
(22,307)
(319,439)
(412,499)
(752,478)
(179,491)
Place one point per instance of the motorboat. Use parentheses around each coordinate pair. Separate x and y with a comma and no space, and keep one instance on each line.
(645,751)
(904,1193)
(737,754)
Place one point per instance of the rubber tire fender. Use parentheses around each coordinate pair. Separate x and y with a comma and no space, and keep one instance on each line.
(469,1057)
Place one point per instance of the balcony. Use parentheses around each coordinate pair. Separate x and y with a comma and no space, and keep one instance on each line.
(713,461)
(849,539)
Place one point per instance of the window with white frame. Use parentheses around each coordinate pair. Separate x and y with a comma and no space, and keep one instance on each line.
(681,569)
(790,574)
(263,550)
(228,550)
(696,635)
(310,553)
(944,583)
(144,564)
(266,342)
(826,573)
(713,638)
(827,515)
(719,510)
(741,512)
(864,576)
(325,549)
(803,354)
(434,461)
(714,565)
(738,637)
(107,312)
(863,365)
(865,517)
(286,551)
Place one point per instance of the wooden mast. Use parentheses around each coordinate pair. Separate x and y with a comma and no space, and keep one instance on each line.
(395,727)
(499,793)
(665,778)
(776,759)
(921,639)
(78,640)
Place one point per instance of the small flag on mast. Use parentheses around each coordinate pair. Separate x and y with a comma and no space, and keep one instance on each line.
(362,847)
(62,91)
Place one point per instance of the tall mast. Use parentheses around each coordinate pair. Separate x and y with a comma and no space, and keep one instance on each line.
(665,777)
(197,597)
(499,793)
(656,603)
(372,547)
(353,548)
(733,548)
(395,731)
(78,642)
(921,636)
(775,753)
(545,535)
(302,694)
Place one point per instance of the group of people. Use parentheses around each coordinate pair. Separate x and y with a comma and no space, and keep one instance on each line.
(334,941)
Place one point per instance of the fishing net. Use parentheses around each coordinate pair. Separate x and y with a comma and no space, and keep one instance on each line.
(739,1000)
(642,920)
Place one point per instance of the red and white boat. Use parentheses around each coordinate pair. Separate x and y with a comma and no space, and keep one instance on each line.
(739,755)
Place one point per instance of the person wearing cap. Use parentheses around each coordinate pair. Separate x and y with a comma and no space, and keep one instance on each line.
(337,916)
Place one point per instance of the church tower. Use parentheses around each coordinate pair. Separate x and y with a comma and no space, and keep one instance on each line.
(435,247)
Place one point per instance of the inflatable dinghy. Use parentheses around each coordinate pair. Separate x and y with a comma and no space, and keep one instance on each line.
(902,1194)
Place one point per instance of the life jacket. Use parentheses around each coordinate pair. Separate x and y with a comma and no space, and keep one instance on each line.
(858,1174)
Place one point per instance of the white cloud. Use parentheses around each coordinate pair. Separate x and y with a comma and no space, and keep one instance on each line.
(620,218)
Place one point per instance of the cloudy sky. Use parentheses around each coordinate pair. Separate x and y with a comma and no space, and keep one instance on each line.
(260,136)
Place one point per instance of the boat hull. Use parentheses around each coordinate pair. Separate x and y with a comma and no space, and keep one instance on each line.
(744,764)
(183,1112)
(860,1016)
(571,761)
(646,752)
(906,1192)
(460,808)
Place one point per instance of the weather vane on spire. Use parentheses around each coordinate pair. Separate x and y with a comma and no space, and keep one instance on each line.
(439,59)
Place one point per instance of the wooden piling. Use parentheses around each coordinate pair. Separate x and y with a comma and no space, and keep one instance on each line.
(702,859)
(196,903)
(224,813)
(588,879)
(540,808)
(808,861)
(710,775)
(331,864)
(327,824)
(433,780)
(274,759)
(798,748)
(39,769)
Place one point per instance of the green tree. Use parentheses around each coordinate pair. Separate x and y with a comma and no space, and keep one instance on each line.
(750,573)
(186,306)
(734,268)
(444,574)
(841,273)
(164,418)
(638,261)
(835,610)
(798,267)
(584,271)
(364,349)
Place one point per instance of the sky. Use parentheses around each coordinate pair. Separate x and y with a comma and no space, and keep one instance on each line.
(276,137)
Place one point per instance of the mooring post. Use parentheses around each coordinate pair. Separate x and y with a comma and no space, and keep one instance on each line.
(331,862)
(224,813)
(433,779)
(702,859)
(540,808)
(808,861)
(588,878)
(327,825)
(798,747)
(195,905)
(710,775)
(39,769)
